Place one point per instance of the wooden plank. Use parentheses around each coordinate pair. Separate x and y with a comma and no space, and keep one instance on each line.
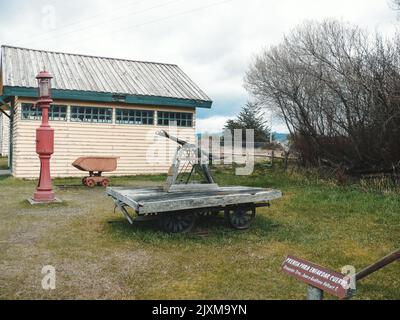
(155,200)
(378,265)
(124,199)
(193,187)
(205,202)
(4,134)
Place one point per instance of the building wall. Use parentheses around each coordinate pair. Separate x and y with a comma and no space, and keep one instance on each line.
(1,133)
(139,149)
(4,134)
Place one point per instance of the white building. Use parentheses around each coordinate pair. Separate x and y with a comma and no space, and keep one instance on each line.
(102,106)
(4,133)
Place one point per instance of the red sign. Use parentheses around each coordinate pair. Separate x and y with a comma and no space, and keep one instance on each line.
(322,278)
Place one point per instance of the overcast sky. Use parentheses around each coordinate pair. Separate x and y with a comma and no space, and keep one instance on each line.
(211,40)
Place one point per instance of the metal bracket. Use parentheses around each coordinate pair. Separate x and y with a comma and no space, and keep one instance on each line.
(125,212)
(5,113)
(189,156)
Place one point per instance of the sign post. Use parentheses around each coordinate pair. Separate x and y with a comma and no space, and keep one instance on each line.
(319,279)
(314,293)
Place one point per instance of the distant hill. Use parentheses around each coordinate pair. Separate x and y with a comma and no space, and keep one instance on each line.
(281,137)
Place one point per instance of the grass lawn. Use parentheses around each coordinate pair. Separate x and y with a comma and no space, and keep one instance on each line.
(97,254)
(3,163)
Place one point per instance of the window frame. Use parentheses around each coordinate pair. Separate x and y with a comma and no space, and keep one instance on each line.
(36,115)
(91,114)
(179,117)
(134,117)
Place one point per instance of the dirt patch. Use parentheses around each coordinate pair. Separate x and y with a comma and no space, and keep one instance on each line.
(104,276)
(26,237)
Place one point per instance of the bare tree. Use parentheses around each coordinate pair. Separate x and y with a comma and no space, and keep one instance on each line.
(395,4)
(335,86)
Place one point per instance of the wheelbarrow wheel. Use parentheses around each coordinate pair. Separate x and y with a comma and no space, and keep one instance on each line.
(90,183)
(105,183)
(177,222)
(240,218)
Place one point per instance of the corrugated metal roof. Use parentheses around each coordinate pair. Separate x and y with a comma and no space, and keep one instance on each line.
(97,74)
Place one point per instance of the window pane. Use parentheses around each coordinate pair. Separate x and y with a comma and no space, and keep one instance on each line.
(138,117)
(56,112)
(91,114)
(180,119)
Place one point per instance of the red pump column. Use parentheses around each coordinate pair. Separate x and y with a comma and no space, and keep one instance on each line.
(44,141)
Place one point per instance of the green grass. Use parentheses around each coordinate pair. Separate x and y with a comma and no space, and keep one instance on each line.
(3,163)
(97,254)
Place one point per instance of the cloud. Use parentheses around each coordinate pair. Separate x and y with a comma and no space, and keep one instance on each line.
(211,40)
(213,124)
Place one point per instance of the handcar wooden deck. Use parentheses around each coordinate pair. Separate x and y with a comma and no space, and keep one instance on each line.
(238,204)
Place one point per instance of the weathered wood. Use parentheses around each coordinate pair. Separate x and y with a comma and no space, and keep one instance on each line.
(194,187)
(5,133)
(155,200)
(123,199)
(378,265)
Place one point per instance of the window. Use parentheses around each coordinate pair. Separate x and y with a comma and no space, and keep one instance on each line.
(91,114)
(127,116)
(56,112)
(181,119)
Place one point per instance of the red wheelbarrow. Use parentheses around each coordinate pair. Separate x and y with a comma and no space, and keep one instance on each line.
(96,166)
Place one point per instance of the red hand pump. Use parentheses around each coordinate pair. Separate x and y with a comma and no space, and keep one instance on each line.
(44,140)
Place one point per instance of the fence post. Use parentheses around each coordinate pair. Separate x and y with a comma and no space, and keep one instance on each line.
(272,157)
(210,141)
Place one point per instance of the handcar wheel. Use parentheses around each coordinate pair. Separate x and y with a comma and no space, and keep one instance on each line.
(177,223)
(84,181)
(105,182)
(90,183)
(240,218)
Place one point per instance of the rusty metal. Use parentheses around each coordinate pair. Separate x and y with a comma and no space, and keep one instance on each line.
(96,166)
(189,160)
(44,140)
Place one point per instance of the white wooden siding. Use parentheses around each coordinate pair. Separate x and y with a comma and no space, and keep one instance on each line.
(4,134)
(132,143)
